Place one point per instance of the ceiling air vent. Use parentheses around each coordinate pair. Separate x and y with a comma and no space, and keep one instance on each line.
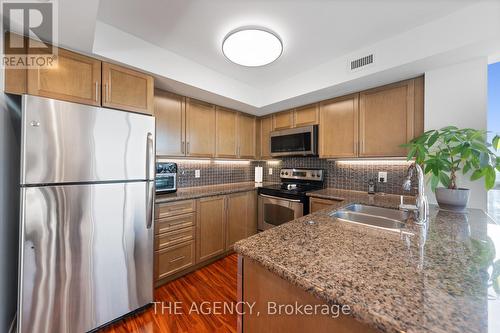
(361,62)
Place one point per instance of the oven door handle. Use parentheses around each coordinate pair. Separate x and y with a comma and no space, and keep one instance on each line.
(278,198)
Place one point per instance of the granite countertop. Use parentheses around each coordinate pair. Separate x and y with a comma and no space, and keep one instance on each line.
(432,279)
(195,192)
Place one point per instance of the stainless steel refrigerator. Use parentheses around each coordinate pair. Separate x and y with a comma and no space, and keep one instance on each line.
(86,236)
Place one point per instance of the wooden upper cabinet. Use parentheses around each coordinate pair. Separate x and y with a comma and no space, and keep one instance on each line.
(200,129)
(338,135)
(15,79)
(246,136)
(306,115)
(241,217)
(226,133)
(283,120)
(127,89)
(170,114)
(76,78)
(211,225)
(387,119)
(266,127)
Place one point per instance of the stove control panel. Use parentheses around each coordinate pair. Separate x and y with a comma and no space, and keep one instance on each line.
(304,174)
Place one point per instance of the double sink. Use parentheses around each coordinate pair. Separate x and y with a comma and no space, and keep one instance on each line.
(372,216)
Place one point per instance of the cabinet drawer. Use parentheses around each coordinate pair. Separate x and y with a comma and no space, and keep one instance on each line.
(174,237)
(173,259)
(174,208)
(174,223)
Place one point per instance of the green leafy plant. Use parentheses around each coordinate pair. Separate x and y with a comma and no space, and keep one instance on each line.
(445,152)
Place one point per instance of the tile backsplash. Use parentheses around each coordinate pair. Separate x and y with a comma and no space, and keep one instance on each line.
(213,172)
(350,175)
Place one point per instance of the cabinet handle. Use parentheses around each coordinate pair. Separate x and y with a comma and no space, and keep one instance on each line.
(109,90)
(178,258)
(182,147)
(105,92)
(96,91)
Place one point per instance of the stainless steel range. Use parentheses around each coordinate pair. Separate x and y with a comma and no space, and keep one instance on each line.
(287,201)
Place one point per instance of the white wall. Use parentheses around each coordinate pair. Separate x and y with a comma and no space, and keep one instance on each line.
(457,95)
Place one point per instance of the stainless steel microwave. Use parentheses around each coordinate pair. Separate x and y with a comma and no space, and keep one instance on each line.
(300,141)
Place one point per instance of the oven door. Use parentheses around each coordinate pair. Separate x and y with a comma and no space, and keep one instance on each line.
(274,211)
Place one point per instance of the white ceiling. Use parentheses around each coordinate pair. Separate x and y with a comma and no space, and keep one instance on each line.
(179,42)
(313,32)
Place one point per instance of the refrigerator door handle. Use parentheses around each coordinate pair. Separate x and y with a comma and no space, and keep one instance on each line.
(150,158)
(150,206)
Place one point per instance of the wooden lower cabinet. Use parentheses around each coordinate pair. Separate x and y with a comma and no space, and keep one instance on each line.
(211,227)
(262,288)
(174,259)
(316,204)
(241,217)
(192,233)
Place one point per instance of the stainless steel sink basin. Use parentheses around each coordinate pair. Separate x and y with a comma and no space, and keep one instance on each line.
(377,217)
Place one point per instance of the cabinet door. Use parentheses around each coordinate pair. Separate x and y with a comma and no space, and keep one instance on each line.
(338,132)
(283,120)
(173,259)
(211,224)
(246,136)
(307,115)
(316,204)
(386,119)
(170,115)
(200,129)
(266,127)
(241,217)
(226,133)
(126,89)
(76,78)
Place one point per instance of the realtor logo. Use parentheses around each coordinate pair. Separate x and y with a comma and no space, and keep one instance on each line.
(36,21)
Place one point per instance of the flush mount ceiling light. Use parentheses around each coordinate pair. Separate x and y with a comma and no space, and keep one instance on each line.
(252,47)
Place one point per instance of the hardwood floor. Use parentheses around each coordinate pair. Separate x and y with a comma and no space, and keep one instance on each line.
(213,283)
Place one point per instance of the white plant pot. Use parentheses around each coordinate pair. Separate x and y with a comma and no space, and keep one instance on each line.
(453,200)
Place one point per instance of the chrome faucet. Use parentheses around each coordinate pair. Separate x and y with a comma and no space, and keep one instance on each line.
(421,207)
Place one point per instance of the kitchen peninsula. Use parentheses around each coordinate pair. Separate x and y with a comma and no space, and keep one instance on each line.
(415,280)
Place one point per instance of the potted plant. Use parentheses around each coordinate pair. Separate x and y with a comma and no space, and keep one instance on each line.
(445,152)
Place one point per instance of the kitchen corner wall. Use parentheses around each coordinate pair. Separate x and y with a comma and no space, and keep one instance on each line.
(349,175)
(458,95)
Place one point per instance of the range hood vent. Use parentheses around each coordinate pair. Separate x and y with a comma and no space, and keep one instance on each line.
(361,62)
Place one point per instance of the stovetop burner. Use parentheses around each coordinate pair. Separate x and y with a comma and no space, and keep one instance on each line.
(295,183)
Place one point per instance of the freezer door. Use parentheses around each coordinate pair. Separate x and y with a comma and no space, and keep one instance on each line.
(86,255)
(65,142)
